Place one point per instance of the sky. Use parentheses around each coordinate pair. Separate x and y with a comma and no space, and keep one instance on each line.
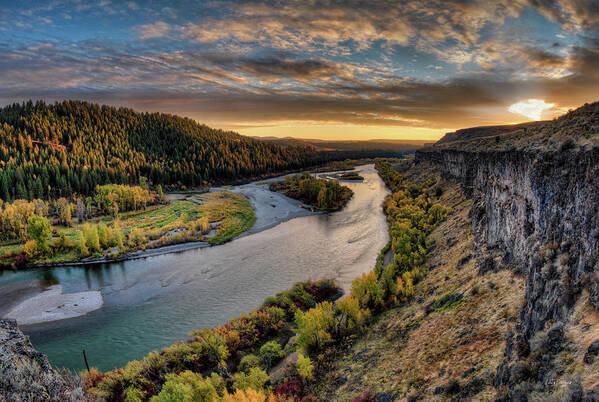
(342,69)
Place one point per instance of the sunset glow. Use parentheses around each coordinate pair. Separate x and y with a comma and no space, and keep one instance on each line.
(532,108)
(263,67)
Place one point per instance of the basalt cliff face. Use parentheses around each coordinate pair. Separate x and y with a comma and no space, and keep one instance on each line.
(536,211)
(26,374)
(539,212)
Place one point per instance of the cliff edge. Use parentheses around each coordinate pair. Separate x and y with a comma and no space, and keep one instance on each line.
(535,195)
(26,374)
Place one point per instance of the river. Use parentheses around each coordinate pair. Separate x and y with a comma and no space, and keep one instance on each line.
(152,302)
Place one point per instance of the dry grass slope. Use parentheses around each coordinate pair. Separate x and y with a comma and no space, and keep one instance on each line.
(449,340)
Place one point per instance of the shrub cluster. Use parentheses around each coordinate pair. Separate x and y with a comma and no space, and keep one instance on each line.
(112,198)
(108,199)
(37,228)
(323,194)
(14,218)
(218,362)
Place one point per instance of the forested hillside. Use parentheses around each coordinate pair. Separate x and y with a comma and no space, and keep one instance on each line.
(51,151)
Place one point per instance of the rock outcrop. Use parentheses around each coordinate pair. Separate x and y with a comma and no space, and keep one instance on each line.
(26,374)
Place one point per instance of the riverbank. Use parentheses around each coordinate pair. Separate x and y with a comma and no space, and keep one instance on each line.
(270,209)
(53,305)
(317,331)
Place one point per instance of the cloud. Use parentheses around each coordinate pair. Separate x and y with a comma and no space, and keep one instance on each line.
(307,71)
(341,61)
(572,14)
(543,58)
(155,30)
(219,86)
(585,59)
(453,31)
(305,25)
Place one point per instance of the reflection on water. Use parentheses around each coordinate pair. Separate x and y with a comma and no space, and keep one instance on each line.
(150,303)
(49,278)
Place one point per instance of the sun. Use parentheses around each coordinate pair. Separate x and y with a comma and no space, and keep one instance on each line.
(531,108)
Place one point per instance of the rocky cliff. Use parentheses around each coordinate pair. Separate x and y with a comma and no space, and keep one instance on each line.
(539,212)
(26,374)
(536,211)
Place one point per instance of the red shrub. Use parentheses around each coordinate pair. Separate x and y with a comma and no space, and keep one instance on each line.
(294,388)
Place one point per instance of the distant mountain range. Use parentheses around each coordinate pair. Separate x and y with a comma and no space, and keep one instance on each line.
(399,146)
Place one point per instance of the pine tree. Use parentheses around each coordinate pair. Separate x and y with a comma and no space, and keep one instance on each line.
(37,190)
(21,193)
(4,189)
(160,193)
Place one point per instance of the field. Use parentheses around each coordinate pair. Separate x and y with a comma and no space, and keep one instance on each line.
(228,215)
(233,212)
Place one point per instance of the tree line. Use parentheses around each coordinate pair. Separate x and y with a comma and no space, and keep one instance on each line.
(34,223)
(48,151)
(108,199)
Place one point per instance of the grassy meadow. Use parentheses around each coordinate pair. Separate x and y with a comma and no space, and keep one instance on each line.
(212,217)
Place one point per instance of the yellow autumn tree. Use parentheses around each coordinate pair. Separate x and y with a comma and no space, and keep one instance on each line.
(315,326)
(354,317)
